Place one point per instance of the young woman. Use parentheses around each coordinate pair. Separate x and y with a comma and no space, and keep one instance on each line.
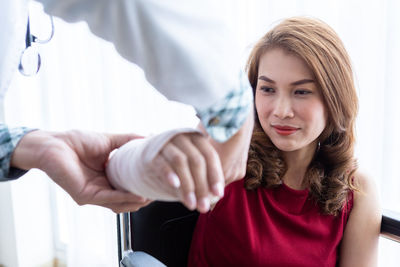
(303,201)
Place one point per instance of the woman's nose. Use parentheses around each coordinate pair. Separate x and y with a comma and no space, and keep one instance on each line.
(283,108)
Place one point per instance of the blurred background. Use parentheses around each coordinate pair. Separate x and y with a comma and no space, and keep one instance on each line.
(85,84)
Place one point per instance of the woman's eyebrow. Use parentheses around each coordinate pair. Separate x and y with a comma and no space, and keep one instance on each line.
(265,78)
(299,82)
(303,81)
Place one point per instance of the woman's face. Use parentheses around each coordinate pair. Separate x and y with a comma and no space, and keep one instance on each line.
(289,104)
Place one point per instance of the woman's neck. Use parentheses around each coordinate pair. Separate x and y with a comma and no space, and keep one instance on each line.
(297,163)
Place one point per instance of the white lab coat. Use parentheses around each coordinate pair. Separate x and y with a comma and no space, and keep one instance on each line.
(186,52)
(13,21)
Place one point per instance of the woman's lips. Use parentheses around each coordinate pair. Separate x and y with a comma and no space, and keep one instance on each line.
(285,130)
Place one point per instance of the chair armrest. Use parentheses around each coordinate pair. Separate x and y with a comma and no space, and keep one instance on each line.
(390,227)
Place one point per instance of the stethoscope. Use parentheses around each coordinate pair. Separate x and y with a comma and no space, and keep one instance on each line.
(30,60)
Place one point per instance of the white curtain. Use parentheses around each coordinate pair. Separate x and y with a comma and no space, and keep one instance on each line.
(85,84)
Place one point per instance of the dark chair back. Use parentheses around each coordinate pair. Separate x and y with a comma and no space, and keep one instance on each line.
(164,230)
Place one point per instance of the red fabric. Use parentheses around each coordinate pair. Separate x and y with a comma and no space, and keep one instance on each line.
(267,227)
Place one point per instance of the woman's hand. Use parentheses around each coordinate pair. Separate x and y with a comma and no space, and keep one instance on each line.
(189,162)
(201,166)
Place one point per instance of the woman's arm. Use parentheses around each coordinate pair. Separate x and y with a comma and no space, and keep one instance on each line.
(360,241)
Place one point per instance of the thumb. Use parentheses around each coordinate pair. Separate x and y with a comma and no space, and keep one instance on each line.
(117,140)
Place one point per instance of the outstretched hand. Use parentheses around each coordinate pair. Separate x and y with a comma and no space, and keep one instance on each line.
(76,160)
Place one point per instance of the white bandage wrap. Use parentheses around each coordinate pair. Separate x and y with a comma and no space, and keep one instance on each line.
(131,168)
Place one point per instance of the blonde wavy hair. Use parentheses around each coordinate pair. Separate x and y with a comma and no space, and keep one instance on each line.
(329,175)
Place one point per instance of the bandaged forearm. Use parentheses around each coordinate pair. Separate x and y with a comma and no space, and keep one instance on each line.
(132,168)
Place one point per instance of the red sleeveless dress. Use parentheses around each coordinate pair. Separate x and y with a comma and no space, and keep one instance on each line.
(267,227)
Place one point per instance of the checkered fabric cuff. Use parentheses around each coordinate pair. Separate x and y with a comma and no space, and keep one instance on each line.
(9,139)
(223,119)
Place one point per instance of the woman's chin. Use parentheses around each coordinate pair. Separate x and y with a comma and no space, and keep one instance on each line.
(286,147)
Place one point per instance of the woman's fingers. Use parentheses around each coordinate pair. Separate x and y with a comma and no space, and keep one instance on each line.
(215,174)
(192,158)
(166,171)
(179,163)
(198,170)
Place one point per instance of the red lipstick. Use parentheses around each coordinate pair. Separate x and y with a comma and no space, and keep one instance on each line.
(285,130)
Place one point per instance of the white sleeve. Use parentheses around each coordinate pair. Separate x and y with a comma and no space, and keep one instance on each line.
(185,50)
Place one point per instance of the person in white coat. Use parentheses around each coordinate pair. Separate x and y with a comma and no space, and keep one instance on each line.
(187,54)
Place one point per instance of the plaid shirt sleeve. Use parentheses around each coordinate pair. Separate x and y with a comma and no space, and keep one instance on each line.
(223,119)
(9,138)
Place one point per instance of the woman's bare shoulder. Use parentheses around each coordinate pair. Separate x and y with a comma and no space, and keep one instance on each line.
(364,182)
(366,195)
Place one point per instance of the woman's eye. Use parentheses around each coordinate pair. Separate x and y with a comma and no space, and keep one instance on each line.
(267,89)
(302,92)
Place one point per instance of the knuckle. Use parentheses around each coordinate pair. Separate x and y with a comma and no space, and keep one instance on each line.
(197,160)
(187,186)
(201,192)
(212,156)
(178,160)
(197,138)
(201,188)
(178,138)
(165,170)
